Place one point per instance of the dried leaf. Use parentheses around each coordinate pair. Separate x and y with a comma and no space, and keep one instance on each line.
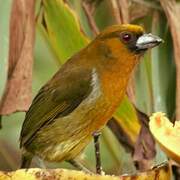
(145,145)
(172,12)
(17,95)
(63,32)
(121,135)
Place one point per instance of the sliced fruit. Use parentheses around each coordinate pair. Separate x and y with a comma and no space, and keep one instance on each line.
(166,134)
(161,172)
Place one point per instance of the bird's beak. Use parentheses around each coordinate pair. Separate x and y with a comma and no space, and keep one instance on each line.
(147,41)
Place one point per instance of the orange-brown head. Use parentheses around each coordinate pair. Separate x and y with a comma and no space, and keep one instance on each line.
(121,44)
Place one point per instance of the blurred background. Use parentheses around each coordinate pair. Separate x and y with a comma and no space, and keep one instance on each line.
(61,28)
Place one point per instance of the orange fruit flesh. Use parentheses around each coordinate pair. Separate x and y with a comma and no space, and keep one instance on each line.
(166,134)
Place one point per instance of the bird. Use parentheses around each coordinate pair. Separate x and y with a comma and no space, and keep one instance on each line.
(83,94)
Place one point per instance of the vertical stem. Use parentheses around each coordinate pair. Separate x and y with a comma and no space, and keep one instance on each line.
(124,10)
(116,11)
(90,18)
(97,152)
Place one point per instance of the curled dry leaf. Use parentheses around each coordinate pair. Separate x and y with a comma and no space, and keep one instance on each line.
(121,135)
(145,145)
(17,95)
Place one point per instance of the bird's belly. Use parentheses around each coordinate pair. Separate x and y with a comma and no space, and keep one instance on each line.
(67,136)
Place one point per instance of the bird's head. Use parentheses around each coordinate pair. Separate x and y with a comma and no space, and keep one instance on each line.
(131,37)
(120,46)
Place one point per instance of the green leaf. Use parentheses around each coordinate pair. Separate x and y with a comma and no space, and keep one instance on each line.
(143,85)
(63,30)
(77,6)
(45,63)
(126,117)
(163,69)
(155,77)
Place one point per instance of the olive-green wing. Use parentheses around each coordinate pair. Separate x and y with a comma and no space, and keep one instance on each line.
(57,98)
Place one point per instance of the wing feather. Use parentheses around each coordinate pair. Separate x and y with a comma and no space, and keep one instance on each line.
(56,99)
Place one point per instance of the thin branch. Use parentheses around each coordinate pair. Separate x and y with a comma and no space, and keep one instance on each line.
(116,11)
(90,18)
(123,10)
(97,152)
(148,4)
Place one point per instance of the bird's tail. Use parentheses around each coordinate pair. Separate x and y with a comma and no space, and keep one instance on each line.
(26,161)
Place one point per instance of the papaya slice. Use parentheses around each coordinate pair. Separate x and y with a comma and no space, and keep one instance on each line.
(166,134)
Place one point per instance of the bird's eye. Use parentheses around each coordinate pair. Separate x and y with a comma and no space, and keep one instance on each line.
(127,37)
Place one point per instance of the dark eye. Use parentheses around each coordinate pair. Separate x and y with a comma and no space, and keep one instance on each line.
(126,37)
